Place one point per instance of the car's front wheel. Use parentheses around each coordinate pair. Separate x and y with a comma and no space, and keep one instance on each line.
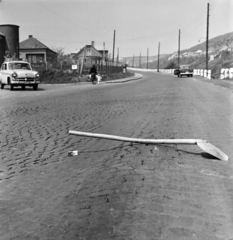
(11,87)
(35,87)
(2,85)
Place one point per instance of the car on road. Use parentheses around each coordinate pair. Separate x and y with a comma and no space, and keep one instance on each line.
(18,73)
(184,70)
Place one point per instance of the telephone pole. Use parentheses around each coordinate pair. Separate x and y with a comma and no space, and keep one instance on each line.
(207,36)
(179,50)
(104,51)
(140,61)
(147,57)
(158,58)
(133,61)
(113,45)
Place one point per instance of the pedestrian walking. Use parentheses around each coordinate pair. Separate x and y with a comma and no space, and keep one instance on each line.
(93,73)
(124,66)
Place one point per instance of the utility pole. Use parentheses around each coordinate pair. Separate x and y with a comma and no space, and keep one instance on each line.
(207,36)
(104,51)
(158,58)
(147,57)
(113,45)
(117,55)
(83,59)
(140,61)
(133,61)
(179,50)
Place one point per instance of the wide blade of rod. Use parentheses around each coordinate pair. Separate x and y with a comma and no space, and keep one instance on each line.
(212,150)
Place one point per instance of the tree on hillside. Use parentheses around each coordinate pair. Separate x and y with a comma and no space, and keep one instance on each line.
(171,65)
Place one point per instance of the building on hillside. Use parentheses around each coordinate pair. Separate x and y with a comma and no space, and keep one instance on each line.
(174,55)
(187,54)
(199,52)
(36,52)
(90,55)
(211,57)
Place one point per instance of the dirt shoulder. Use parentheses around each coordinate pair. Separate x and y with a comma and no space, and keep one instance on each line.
(219,82)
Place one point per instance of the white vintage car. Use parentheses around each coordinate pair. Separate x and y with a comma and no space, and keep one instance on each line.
(18,73)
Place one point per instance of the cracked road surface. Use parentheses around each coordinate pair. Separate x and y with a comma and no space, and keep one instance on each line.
(115,190)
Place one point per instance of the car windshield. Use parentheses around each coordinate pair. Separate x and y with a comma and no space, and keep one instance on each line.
(13,66)
(185,67)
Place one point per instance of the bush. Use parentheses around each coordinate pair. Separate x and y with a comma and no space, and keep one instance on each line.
(69,76)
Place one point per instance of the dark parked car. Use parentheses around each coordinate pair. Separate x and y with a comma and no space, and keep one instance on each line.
(184,70)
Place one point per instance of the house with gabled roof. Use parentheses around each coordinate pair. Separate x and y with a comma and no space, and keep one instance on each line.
(36,52)
(90,55)
(199,52)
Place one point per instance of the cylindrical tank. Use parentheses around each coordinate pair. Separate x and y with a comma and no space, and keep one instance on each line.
(11,33)
(2,47)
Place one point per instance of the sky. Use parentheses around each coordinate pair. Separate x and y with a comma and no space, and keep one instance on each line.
(139,24)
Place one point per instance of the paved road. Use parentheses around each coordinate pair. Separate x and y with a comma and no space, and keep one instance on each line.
(115,190)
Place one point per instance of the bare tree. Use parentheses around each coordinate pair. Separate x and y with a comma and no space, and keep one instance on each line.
(60,53)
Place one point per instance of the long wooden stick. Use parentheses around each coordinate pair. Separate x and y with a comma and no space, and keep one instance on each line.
(203,144)
(136,140)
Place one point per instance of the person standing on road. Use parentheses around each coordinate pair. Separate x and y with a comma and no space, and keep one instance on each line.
(124,67)
(93,72)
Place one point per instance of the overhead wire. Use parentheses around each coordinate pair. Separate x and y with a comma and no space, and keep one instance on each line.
(186,30)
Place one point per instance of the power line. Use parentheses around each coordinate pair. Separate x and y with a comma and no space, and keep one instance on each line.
(195,20)
(61,16)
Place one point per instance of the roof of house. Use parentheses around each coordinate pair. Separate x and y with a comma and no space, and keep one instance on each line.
(33,43)
(94,52)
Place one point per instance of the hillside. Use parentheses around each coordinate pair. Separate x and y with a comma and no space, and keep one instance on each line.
(220,56)
(214,43)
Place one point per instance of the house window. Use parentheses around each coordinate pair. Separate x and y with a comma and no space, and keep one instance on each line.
(35,58)
(88,52)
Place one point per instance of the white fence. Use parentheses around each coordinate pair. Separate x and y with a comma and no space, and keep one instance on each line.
(167,70)
(202,72)
(225,72)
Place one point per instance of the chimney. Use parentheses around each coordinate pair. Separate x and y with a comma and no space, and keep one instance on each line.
(93,43)
(30,36)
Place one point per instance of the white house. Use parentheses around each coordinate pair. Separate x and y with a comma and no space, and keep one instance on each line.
(199,52)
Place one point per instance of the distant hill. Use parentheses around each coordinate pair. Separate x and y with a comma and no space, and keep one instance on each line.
(220,47)
(214,43)
(151,60)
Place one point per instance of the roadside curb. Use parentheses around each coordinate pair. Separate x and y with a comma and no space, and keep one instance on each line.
(136,77)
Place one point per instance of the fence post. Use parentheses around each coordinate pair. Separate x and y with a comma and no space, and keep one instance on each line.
(205,73)
(209,74)
(222,73)
(231,73)
(226,72)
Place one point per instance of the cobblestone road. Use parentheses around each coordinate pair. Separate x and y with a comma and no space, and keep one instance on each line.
(115,190)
